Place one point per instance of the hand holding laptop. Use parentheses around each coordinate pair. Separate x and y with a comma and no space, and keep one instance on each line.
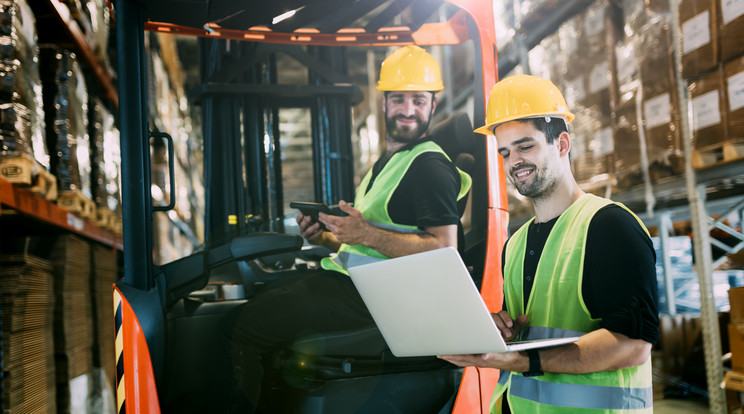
(426,304)
(509,328)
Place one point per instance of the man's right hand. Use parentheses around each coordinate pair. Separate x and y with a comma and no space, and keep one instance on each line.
(313,233)
(509,328)
(310,229)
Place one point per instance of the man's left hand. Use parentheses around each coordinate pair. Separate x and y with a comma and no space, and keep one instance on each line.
(510,361)
(347,229)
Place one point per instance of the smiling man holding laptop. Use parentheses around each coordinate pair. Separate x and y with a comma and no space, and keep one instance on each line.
(583,266)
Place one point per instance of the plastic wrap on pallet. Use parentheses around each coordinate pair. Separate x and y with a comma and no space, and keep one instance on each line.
(627,142)
(95,136)
(15,129)
(733,73)
(503,12)
(625,117)
(658,89)
(533,12)
(708,109)
(98,14)
(593,147)
(20,85)
(731,29)
(66,107)
(698,19)
(545,59)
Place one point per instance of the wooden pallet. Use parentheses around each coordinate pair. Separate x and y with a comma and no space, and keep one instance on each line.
(602,185)
(45,185)
(726,151)
(19,169)
(671,165)
(629,178)
(75,202)
(104,218)
(24,170)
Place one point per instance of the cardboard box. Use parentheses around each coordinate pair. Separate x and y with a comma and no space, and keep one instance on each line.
(708,109)
(733,74)
(736,343)
(736,303)
(731,29)
(699,20)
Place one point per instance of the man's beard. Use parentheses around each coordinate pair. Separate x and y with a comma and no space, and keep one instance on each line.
(540,186)
(405,134)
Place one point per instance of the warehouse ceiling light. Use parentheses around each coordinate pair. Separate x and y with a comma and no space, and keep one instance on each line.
(285,16)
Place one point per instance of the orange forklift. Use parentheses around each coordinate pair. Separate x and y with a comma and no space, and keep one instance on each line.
(164,332)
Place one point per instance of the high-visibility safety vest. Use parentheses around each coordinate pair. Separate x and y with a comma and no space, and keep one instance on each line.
(556,308)
(373,206)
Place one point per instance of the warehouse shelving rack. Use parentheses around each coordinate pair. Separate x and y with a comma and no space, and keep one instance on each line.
(33,212)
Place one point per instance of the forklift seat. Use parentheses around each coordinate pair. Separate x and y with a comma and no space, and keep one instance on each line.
(456,137)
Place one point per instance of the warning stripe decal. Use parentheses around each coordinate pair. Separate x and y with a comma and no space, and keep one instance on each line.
(120,387)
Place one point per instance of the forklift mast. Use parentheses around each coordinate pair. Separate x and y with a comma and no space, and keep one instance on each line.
(240,98)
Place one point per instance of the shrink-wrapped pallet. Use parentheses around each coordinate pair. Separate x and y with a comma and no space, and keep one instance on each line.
(104,155)
(21,111)
(66,107)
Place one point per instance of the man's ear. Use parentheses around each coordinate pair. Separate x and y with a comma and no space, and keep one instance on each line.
(564,143)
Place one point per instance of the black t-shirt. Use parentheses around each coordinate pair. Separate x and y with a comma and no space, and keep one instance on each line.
(427,193)
(619,284)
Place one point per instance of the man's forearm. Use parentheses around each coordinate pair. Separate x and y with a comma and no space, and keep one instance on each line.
(597,351)
(394,244)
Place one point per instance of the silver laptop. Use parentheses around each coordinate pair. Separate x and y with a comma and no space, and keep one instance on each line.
(427,304)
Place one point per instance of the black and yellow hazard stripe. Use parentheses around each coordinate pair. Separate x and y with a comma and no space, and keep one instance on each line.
(120,394)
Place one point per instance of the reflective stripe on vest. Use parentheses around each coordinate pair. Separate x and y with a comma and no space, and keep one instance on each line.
(577,395)
(373,203)
(531,333)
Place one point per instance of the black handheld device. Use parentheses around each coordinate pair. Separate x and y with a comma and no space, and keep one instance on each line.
(312,210)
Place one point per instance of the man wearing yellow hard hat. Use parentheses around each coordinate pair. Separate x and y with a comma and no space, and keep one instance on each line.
(583,266)
(407,203)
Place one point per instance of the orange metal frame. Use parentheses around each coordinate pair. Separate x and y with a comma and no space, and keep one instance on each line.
(477,384)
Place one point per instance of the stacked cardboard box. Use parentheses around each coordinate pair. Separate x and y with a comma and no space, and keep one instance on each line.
(698,19)
(733,74)
(28,381)
(709,114)
(103,276)
(736,328)
(731,29)
(73,322)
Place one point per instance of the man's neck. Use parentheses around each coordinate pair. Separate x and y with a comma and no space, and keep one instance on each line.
(558,201)
(392,146)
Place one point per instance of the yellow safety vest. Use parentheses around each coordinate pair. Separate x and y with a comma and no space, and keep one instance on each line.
(373,206)
(556,309)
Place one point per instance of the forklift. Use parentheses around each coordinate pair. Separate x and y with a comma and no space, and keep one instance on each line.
(164,332)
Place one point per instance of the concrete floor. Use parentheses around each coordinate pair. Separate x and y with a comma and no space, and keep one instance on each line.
(671,406)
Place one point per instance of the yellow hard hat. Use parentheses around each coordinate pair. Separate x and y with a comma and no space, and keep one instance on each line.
(410,68)
(523,96)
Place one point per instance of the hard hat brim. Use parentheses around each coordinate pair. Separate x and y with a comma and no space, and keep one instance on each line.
(488,128)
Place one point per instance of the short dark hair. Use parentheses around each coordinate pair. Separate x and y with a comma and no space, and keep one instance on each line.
(551,127)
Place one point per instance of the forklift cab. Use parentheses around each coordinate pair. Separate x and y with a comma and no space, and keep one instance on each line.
(165,355)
